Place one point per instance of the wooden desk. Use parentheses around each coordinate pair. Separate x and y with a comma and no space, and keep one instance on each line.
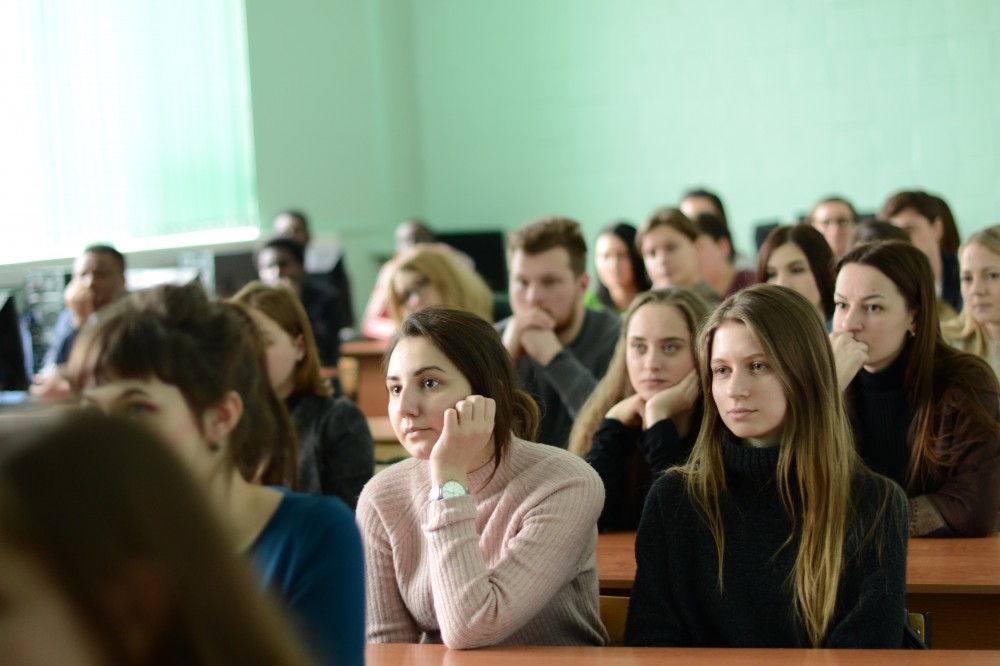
(957,580)
(370,393)
(400,654)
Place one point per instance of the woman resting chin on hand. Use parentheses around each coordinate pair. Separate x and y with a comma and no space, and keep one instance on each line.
(644,415)
(481,538)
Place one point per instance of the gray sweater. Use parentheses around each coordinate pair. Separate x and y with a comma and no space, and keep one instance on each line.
(561,387)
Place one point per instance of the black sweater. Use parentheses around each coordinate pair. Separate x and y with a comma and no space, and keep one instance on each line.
(336,452)
(881,416)
(966,492)
(614,454)
(676,599)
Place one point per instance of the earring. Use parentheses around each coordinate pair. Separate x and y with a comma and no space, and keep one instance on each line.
(215,447)
(911,334)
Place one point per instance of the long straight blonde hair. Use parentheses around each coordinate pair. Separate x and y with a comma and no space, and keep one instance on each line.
(615,386)
(965,331)
(817,459)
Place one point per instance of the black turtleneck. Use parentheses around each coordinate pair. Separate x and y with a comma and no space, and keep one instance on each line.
(880,415)
(676,599)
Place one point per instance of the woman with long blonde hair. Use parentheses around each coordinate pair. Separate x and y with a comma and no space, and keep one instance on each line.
(977,328)
(644,415)
(774,534)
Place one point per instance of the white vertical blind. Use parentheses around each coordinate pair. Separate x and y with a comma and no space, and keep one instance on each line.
(123,121)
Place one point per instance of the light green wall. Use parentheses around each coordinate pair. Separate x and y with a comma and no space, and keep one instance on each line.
(334,134)
(479,113)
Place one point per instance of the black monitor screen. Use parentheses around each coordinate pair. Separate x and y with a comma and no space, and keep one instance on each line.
(487,251)
(13,372)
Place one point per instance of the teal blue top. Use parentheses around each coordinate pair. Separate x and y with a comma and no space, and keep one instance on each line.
(309,554)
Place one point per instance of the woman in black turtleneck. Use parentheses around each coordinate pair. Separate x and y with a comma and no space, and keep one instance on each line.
(775,533)
(923,414)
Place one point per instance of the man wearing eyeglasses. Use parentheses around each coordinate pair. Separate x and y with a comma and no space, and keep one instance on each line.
(835,218)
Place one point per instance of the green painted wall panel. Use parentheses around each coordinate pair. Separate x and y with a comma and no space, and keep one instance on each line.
(486,114)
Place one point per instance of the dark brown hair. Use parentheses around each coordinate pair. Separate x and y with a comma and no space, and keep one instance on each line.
(282,306)
(921,202)
(938,379)
(950,239)
(817,252)
(877,230)
(624,232)
(105,507)
(548,233)
(478,352)
(205,349)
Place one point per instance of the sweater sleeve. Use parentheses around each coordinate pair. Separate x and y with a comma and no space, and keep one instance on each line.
(969,496)
(874,614)
(609,455)
(480,603)
(663,447)
(389,621)
(346,452)
(652,620)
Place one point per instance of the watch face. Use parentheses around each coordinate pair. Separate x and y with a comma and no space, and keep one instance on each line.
(453,489)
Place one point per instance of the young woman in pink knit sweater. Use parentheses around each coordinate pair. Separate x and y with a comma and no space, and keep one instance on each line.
(481,538)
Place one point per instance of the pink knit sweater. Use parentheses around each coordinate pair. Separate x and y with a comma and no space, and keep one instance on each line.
(511,564)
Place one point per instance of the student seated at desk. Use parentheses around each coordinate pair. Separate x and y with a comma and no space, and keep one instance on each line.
(774,534)
(193,371)
(336,451)
(648,403)
(109,554)
(482,538)
(924,414)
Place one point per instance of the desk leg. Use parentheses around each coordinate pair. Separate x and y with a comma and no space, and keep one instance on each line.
(960,621)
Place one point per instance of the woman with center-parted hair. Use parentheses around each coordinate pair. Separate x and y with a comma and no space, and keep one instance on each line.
(193,370)
(620,271)
(645,413)
(109,554)
(482,537)
(798,257)
(924,414)
(774,534)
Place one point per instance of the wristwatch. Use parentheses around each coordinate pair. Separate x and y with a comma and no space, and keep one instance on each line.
(450,488)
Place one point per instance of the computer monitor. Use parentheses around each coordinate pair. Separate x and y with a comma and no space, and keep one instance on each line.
(14,374)
(487,251)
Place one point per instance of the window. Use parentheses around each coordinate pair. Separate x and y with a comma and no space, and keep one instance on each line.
(125,122)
